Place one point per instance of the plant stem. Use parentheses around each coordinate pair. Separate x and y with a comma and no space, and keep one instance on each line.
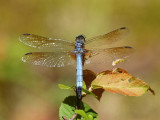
(72,118)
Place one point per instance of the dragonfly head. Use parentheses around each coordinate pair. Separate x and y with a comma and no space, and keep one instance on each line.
(80,38)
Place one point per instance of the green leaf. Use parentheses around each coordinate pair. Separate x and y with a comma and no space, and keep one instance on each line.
(120,81)
(89,92)
(90,117)
(89,111)
(62,86)
(83,114)
(84,85)
(67,108)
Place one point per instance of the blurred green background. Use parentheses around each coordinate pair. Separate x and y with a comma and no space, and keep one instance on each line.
(30,92)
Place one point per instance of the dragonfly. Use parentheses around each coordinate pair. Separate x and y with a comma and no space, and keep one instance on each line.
(60,53)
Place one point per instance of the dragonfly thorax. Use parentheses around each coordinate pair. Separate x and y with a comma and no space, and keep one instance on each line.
(79,44)
(79,47)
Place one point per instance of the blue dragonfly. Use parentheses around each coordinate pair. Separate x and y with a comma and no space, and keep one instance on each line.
(60,53)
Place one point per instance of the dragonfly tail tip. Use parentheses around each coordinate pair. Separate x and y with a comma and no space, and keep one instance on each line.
(79,92)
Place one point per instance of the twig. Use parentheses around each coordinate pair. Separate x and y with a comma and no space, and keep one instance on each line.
(64,118)
(72,118)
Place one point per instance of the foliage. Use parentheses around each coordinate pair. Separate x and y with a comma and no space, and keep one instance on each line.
(115,81)
(68,109)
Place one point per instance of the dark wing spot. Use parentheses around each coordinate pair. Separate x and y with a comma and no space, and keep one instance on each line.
(26,34)
(28,53)
(123,28)
(127,47)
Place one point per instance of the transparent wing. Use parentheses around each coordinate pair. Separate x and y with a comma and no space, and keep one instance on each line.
(49,59)
(107,55)
(43,42)
(106,39)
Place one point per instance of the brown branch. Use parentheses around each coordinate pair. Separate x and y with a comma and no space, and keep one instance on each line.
(72,118)
(64,118)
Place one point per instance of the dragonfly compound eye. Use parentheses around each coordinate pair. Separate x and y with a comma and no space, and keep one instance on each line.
(80,38)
